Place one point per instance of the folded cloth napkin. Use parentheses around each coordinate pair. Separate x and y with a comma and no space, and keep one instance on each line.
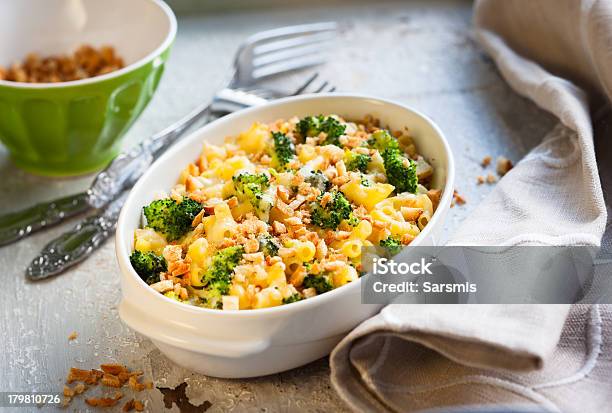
(415,357)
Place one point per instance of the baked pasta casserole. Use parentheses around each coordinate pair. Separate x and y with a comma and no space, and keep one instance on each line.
(282,212)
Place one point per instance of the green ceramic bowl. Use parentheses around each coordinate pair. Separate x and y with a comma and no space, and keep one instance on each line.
(76,127)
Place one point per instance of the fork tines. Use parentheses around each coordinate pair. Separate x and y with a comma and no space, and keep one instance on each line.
(325,87)
(291,48)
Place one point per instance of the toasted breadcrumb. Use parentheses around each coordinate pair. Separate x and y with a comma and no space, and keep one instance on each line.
(279,227)
(491,179)
(113,368)
(110,380)
(480,180)
(458,199)
(80,388)
(86,376)
(135,385)
(68,392)
(503,165)
(128,406)
(110,375)
(103,401)
(73,336)
(309,292)
(85,62)
(486,161)
(138,405)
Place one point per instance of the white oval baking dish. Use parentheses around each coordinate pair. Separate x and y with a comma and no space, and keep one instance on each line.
(248,343)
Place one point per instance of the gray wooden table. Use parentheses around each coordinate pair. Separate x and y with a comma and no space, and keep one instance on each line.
(419,52)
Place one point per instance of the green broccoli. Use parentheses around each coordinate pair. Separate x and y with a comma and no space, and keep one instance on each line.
(382,140)
(314,125)
(353,221)
(217,277)
(268,245)
(309,126)
(392,245)
(171,218)
(148,265)
(357,161)
(292,299)
(284,150)
(252,188)
(172,295)
(316,179)
(321,283)
(330,215)
(400,171)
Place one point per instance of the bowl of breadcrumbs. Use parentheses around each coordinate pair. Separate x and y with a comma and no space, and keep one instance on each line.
(74,76)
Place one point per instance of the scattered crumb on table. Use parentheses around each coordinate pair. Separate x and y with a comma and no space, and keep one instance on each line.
(110,375)
(457,199)
(486,161)
(503,165)
(133,405)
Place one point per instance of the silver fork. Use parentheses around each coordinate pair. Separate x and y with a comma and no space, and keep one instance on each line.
(265,54)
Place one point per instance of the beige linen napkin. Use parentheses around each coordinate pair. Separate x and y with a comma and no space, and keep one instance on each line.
(413,357)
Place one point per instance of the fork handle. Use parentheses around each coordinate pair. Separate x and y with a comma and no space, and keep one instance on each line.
(77,244)
(19,224)
(128,166)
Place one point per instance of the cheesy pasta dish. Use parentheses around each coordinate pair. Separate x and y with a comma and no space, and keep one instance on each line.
(282,212)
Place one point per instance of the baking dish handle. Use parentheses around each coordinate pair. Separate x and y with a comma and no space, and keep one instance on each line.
(161,330)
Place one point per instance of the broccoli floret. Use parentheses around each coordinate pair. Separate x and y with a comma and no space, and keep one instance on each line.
(222,264)
(314,125)
(252,188)
(400,171)
(171,218)
(321,283)
(172,295)
(262,181)
(217,278)
(392,245)
(357,161)
(334,129)
(330,215)
(292,299)
(268,245)
(212,295)
(353,221)
(316,179)
(284,150)
(148,265)
(382,140)
(310,125)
